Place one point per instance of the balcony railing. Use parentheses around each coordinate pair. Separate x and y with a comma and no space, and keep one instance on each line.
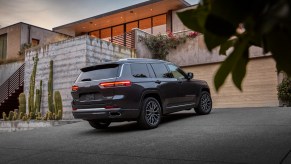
(126,39)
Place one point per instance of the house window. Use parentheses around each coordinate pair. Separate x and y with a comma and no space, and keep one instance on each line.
(159,24)
(34,42)
(146,25)
(3,46)
(95,34)
(118,30)
(106,34)
(132,25)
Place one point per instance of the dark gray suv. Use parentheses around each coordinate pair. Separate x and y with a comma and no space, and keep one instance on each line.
(139,90)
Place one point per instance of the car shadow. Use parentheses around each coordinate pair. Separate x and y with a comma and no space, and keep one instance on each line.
(133,126)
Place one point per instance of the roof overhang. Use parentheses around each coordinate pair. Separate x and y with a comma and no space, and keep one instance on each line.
(124,15)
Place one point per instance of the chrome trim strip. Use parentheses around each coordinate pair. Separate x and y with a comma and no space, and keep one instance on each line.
(180,105)
(95,110)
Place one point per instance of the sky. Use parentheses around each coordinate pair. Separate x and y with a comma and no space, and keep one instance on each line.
(52,13)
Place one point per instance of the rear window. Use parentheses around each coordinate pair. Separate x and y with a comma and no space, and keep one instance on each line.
(98,72)
(139,70)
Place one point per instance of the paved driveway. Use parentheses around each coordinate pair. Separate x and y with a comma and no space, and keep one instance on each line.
(250,135)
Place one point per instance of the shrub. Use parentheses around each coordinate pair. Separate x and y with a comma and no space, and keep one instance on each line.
(284,91)
(160,45)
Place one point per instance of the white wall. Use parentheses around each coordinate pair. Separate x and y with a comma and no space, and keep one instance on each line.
(6,70)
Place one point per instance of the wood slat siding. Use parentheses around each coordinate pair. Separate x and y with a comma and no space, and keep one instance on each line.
(259,85)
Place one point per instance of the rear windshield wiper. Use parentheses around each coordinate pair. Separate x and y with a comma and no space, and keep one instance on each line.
(86,79)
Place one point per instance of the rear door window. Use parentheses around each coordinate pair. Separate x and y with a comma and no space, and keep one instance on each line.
(139,70)
(161,70)
(99,72)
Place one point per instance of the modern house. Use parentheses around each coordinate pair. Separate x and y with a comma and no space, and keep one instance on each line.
(159,16)
(116,35)
(12,38)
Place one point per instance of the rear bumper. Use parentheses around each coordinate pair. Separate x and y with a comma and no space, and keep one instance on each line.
(114,114)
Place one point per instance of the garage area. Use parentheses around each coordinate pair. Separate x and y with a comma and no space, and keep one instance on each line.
(259,85)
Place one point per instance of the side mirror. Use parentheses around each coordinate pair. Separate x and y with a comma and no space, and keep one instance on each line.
(190,75)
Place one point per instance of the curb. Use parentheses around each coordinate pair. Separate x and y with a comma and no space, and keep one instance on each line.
(18,125)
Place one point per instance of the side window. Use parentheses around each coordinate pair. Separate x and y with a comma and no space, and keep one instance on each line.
(161,71)
(176,72)
(139,70)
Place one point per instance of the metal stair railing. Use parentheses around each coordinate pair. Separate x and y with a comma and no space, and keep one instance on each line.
(12,84)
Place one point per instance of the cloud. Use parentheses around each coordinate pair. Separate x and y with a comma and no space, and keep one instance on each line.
(53,13)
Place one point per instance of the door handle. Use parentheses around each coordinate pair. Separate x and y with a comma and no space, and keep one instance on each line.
(158,82)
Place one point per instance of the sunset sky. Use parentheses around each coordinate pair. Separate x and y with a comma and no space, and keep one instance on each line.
(53,13)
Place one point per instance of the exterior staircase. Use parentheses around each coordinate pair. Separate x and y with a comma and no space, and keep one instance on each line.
(10,90)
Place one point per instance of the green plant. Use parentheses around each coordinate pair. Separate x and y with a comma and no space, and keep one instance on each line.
(37,101)
(25,117)
(38,116)
(10,116)
(22,103)
(58,105)
(284,91)
(31,103)
(23,48)
(160,45)
(50,88)
(40,95)
(239,25)
(20,116)
(4,116)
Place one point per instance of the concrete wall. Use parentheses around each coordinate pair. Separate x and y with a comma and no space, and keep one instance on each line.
(18,34)
(193,52)
(13,39)
(6,70)
(69,56)
(29,32)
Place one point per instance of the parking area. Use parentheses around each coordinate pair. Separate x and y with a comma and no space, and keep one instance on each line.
(241,135)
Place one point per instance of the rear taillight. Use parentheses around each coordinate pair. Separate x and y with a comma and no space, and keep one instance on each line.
(116,84)
(75,88)
(74,109)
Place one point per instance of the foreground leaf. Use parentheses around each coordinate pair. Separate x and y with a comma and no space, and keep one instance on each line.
(232,63)
(194,18)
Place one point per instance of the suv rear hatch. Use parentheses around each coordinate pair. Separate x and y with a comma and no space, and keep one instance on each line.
(92,87)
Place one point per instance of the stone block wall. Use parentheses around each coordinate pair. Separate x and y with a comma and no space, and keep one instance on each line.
(69,56)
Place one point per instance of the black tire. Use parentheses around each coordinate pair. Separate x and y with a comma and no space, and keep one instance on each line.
(205,104)
(99,124)
(150,116)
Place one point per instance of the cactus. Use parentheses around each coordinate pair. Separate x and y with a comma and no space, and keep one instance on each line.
(37,105)
(25,118)
(22,103)
(49,115)
(38,116)
(20,116)
(50,88)
(31,115)
(15,116)
(58,105)
(10,116)
(40,95)
(31,104)
(4,116)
